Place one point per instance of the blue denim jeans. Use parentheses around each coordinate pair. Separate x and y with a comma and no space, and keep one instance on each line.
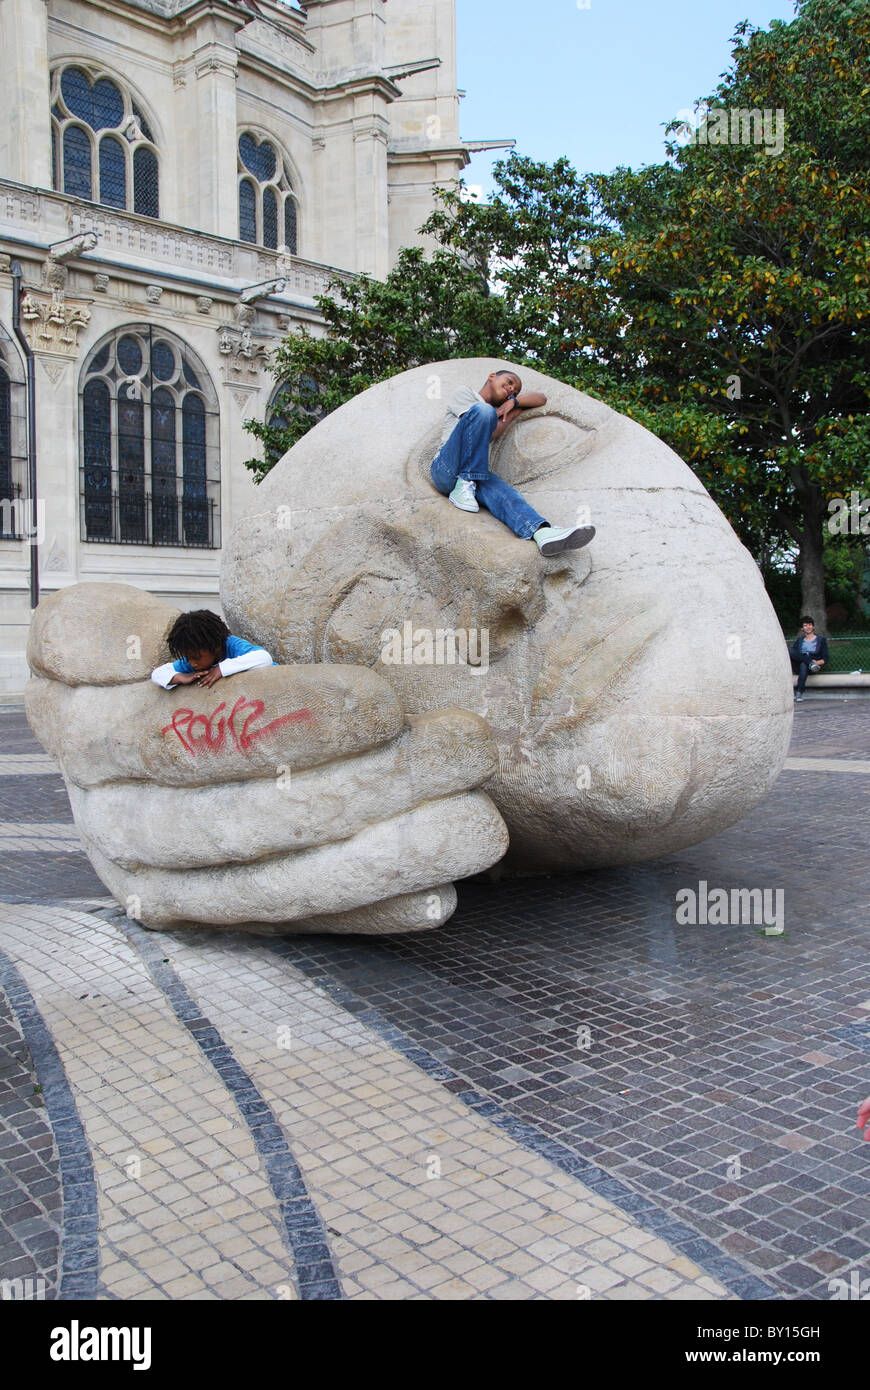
(466,455)
(801,664)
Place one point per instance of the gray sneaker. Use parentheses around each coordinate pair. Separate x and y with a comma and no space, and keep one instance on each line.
(463,496)
(552,540)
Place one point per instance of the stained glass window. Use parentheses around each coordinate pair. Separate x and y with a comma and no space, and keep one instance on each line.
(129,355)
(267,207)
(146,199)
(76,162)
(163,479)
(150,466)
(270,219)
(131,465)
(118,169)
(258,157)
(247,211)
(101,361)
(97,460)
(194,505)
(162,361)
(113,173)
(290,225)
(5,435)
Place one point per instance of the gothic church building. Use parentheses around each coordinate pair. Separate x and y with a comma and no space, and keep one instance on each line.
(178,180)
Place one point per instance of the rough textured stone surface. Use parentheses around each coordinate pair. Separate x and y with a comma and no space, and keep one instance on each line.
(280,799)
(639,690)
(99,634)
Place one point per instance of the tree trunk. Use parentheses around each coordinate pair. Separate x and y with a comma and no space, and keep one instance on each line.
(812,568)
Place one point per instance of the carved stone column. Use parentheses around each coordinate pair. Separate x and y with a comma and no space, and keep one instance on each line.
(25,132)
(212,70)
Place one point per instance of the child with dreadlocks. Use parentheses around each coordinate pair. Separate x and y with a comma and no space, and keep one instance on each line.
(206,650)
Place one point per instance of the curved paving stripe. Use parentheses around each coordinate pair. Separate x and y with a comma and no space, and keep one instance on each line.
(741,1282)
(79,1258)
(183,1197)
(305,1234)
(426,1197)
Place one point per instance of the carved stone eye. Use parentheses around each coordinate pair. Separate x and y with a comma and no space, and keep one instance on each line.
(537,447)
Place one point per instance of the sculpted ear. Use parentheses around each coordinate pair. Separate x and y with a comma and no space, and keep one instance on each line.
(421,561)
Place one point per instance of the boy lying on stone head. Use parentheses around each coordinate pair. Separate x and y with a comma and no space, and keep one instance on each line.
(473,420)
(205,651)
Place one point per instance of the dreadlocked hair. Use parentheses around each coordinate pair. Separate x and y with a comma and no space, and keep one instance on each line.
(200,630)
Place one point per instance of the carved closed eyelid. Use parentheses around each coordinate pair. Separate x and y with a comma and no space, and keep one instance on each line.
(539,446)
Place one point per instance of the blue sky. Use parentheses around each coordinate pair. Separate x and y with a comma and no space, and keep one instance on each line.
(594,84)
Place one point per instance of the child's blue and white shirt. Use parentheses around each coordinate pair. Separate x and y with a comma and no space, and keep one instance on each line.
(241,656)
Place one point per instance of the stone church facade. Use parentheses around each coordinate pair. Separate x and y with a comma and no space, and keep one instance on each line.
(178,180)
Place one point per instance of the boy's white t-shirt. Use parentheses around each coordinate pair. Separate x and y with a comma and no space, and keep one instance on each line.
(461,400)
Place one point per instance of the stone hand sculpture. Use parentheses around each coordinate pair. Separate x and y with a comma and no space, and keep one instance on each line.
(638,690)
(283,799)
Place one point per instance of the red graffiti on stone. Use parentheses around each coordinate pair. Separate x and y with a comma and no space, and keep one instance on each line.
(200,733)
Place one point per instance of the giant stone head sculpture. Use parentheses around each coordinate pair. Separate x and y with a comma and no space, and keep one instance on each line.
(638,690)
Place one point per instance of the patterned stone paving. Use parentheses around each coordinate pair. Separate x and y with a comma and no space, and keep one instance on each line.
(564,1093)
(30,1190)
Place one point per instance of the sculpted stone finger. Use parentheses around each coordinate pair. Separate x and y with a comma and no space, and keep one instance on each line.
(135,824)
(244,727)
(99,634)
(407,912)
(454,837)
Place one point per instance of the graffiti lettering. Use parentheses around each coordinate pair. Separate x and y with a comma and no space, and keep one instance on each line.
(199,733)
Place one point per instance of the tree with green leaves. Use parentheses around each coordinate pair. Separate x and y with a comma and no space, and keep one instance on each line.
(429,308)
(721,298)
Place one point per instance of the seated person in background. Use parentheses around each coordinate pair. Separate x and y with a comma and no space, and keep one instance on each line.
(206,650)
(808,653)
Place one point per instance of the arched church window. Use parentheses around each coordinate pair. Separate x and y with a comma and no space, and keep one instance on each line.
(267,203)
(150,471)
(102,146)
(14,513)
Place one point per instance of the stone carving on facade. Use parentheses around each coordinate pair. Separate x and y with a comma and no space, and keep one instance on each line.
(5,264)
(101,283)
(244,310)
(203,304)
(54,322)
(163,243)
(20,207)
(55,267)
(54,368)
(153,293)
(264,34)
(57,560)
(242,394)
(245,354)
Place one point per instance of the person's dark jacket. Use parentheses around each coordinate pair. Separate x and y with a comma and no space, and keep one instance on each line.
(820,654)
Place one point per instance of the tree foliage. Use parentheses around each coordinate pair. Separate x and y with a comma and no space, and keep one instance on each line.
(428,309)
(721,298)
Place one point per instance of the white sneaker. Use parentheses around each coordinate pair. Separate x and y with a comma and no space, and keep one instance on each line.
(552,540)
(463,497)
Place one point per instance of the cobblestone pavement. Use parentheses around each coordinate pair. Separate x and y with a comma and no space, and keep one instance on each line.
(562,1094)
